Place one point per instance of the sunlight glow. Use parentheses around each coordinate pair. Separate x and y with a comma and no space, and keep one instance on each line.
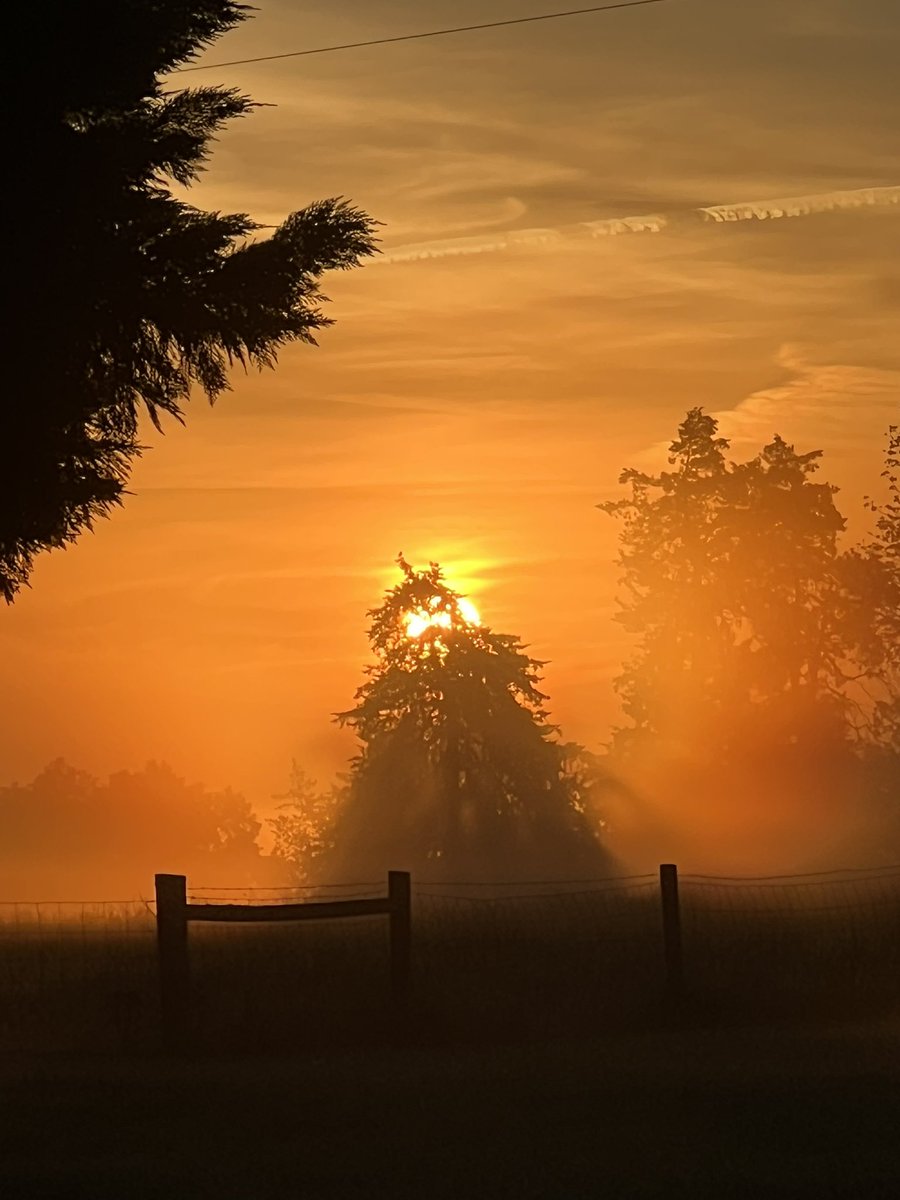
(468,611)
(431,616)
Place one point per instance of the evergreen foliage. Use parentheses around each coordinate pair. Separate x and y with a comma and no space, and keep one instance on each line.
(302,829)
(126,296)
(460,774)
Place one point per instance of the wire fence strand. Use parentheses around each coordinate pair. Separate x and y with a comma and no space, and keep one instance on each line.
(488,957)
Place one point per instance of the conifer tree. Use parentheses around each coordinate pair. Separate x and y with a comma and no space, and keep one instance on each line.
(460,774)
(302,828)
(125,297)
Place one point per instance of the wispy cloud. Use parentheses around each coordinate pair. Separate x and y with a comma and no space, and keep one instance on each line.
(837,407)
(717,214)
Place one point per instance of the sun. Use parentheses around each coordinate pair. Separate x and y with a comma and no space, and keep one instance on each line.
(436,615)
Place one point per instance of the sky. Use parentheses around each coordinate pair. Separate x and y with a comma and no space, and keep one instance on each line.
(590,225)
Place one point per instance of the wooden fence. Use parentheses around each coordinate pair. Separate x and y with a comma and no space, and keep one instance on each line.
(174,914)
(534,955)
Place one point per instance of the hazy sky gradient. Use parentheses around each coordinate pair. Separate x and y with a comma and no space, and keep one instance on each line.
(474,408)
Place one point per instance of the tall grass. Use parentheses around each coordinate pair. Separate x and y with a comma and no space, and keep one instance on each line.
(490,962)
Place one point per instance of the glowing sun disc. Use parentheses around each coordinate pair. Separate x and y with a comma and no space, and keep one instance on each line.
(421,619)
(469,612)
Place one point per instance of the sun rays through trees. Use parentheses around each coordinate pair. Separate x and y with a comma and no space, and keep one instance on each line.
(460,773)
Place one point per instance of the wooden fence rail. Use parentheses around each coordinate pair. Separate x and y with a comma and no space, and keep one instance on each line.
(174,913)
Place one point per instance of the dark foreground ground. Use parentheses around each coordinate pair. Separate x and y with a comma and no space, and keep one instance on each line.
(678,1113)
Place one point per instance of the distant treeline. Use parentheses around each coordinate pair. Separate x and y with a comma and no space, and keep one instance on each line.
(70,836)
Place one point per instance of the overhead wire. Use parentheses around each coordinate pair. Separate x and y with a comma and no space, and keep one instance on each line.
(411,37)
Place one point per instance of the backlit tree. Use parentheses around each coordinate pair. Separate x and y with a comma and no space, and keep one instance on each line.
(302,829)
(763,686)
(752,622)
(880,557)
(68,833)
(460,774)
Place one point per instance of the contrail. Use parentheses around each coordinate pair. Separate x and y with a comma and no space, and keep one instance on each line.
(718,214)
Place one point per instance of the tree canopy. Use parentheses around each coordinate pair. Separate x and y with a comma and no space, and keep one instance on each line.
(68,834)
(761,697)
(752,621)
(460,774)
(126,296)
(878,560)
(764,679)
(301,830)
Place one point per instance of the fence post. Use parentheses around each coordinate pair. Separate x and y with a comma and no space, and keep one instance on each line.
(400,918)
(172,943)
(671,925)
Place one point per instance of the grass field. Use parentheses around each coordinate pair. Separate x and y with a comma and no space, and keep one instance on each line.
(542,963)
(540,1056)
(703,1113)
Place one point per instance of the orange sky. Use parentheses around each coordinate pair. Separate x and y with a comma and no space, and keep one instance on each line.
(473,407)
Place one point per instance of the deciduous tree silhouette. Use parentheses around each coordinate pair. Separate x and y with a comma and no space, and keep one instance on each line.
(753,625)
(880,558)
(877,562)
(124,296)
(460,774)
(68,833)
(762,699)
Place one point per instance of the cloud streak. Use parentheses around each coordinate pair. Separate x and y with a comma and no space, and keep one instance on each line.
(716,214)
(833,406)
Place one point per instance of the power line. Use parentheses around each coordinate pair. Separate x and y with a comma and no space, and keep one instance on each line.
(411,37)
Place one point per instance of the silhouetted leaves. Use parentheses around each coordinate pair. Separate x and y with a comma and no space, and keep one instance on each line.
(879,559)
(460,773)
(765,676)
(69,835)
(302,830)
(753,623)
(126,296)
